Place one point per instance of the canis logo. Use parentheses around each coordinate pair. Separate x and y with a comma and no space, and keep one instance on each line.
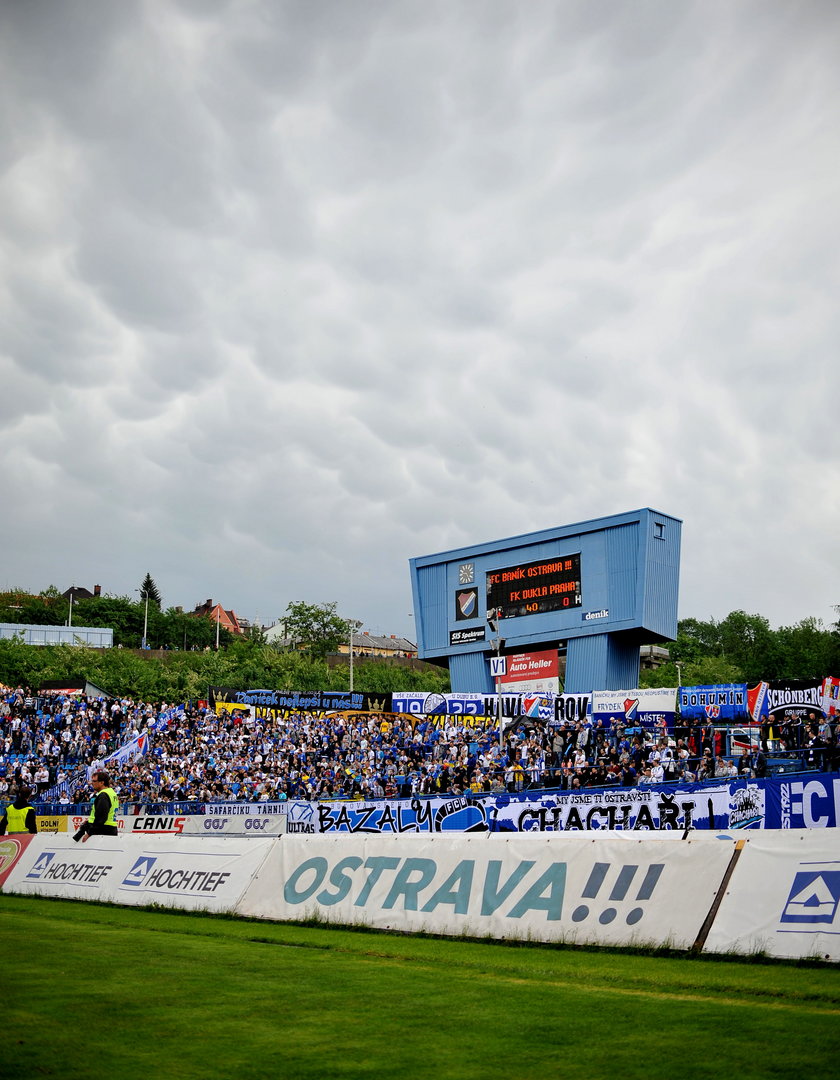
(619,892)
(814,897)
(42,864)
(140,871)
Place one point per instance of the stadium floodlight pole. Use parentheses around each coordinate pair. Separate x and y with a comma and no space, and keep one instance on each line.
(217,627)
(352,626)
(493,618)
(144,594)
(70,616)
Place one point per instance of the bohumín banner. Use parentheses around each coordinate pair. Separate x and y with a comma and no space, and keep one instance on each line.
(541,888)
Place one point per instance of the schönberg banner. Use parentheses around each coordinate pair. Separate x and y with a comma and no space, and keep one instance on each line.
(536,887)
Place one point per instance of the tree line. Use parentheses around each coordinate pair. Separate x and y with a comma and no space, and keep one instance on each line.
(744,648)
(177,676)
(171,628)
(740,648)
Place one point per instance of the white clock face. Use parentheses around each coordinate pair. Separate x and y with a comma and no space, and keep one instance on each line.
(466,573)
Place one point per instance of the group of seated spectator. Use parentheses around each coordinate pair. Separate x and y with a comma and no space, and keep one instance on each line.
(197,755)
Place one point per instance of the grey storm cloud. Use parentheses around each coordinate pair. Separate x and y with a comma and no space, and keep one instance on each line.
(291,292)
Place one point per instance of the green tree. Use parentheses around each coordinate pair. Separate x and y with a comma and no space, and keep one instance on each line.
(316,629)
(150,590)
(806,650)
(701,671)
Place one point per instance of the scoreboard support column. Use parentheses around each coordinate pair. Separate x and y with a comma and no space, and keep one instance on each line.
(602,660)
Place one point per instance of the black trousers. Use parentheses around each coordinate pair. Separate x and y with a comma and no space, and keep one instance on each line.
(90,828)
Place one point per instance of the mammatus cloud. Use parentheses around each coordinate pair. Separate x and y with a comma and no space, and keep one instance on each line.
(291,293)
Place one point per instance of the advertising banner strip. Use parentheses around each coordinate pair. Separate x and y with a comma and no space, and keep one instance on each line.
(783,899)
(622,891)
(206,875)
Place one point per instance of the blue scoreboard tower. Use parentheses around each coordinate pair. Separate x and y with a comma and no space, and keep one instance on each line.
(598,589)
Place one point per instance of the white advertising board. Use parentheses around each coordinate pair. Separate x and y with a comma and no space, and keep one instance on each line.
(783,898)
(205,825)
(186,824)
(542,887)
(208,874)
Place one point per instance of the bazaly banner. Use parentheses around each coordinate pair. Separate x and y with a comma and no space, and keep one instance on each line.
(737,804)
(719,701)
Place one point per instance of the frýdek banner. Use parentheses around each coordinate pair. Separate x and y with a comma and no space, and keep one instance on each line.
(205,874)
(654,708)
(539,888)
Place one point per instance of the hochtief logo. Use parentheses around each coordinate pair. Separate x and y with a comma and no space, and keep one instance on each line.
(49,868)
(814,897)
(137,875)
(41,864)
(145,874)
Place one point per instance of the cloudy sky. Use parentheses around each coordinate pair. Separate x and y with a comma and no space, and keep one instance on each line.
(291,292)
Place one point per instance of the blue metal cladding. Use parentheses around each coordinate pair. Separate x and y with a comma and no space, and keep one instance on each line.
(430,613)
(662,572)
(621,546)
(586,659)
(471,670)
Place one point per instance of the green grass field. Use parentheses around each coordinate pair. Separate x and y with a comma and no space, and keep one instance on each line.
(92,990)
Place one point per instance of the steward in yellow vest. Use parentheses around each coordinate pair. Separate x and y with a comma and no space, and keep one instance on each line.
(19,816)
(102,820)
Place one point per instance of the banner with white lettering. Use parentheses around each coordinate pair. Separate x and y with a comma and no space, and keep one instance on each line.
(722,701)
(804,803)
(790,699)
(532,672)
(542,889)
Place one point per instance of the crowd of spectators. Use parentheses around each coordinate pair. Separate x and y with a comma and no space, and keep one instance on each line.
(193,754)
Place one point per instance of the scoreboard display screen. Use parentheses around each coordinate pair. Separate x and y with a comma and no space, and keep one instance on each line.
(532,588)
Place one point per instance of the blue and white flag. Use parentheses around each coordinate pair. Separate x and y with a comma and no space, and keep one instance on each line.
(134,749)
